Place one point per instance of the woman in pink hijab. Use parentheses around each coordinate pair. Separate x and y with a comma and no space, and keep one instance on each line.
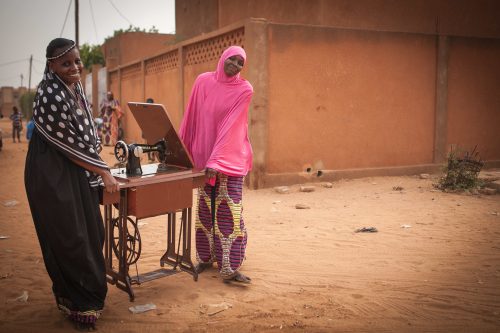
(215,132)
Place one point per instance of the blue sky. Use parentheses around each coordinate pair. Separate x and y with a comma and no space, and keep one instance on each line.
(27,26)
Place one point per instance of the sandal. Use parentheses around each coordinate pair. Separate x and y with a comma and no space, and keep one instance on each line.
(202,266)
(239,278)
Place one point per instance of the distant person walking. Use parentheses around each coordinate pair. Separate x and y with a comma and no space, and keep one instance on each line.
(111,113)
(17,124)
(215,132)
(62,176)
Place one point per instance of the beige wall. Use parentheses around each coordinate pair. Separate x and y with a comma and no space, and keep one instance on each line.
(130,46)
(450,17)
(343,99)
(474,96)
(162,74)
(131,87)
(194,17)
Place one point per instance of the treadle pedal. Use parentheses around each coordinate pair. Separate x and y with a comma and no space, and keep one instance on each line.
(153,275)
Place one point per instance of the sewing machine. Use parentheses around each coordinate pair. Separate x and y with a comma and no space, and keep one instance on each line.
(163,188)
(130,155)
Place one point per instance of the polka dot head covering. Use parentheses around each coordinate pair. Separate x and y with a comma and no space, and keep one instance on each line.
(63,118)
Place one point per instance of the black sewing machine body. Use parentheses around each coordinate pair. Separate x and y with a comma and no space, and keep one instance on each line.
(130,154)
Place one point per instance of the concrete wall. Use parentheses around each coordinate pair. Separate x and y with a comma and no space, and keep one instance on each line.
(474,95)
(449,17)
(131,86)
(342,102)
(128,47)
(342,99)
(194,17)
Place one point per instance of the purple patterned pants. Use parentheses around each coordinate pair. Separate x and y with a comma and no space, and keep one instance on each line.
(226,243)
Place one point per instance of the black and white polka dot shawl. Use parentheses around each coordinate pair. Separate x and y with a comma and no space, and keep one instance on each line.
(64,119)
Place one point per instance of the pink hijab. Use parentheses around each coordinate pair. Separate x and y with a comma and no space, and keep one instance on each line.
(215,124)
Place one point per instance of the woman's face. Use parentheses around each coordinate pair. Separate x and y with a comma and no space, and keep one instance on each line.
(233,65)
(68,67)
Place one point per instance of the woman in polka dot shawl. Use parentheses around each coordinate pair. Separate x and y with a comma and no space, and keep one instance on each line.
(62,176)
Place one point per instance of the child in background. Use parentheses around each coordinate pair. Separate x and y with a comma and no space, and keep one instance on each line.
(17,124)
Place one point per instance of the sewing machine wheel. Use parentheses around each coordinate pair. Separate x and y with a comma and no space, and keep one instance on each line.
(132,241)
(121,151)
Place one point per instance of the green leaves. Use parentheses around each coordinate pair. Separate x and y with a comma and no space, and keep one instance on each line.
(91,55)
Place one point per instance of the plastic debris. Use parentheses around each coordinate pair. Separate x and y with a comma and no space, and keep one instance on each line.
(366,229)
(142,308)
(23,297)
(4,237)
(10,203)
(213,309)
(307,189)
(302,206)
(405,226)
(282,189)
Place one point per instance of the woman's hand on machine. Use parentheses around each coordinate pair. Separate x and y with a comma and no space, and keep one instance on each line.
(110,183)
(210,176)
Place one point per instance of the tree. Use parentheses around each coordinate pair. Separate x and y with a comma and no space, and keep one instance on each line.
(91,55)
(26,104)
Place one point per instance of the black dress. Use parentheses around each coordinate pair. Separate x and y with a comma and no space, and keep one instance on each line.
(68,222)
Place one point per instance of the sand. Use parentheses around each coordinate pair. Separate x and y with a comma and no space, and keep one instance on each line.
(311,272)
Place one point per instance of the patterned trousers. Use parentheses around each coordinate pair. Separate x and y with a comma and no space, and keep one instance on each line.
(221,235)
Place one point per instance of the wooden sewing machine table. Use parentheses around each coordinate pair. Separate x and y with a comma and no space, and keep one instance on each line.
(152,193)
(167,193)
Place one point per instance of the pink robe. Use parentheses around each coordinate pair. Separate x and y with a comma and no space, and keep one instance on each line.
(215,124)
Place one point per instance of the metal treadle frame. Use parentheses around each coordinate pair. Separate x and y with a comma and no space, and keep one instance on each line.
(179,226)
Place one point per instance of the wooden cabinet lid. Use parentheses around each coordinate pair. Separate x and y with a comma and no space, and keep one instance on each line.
(155,123)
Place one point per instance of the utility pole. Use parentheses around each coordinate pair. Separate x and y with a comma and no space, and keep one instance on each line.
(29,77)
(76,24)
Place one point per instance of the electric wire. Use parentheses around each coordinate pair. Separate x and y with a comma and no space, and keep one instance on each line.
(13,62)
(66,18)
(35,69)
(9,78)
(126,19)
(93,21)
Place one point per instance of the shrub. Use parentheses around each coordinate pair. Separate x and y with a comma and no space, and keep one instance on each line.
(461,171)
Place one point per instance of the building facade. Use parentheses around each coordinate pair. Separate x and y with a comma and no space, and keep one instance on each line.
(342,88)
